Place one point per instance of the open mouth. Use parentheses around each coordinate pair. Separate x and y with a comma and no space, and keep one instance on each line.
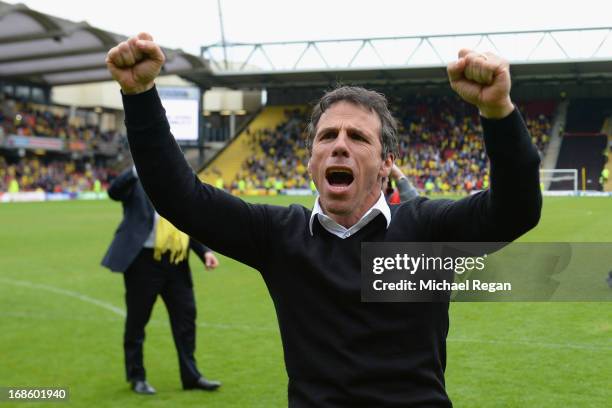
(339,176)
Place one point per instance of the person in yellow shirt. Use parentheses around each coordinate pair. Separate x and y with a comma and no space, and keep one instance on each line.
(13,186)
(219,183)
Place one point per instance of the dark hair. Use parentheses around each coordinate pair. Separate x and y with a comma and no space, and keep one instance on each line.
(372,100)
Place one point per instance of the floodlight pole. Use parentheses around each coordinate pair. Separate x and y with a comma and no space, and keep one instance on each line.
(222,34)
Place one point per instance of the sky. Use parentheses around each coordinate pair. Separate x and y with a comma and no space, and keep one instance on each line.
(189,24)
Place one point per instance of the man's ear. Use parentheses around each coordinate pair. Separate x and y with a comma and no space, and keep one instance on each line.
(309,169)
(387,165)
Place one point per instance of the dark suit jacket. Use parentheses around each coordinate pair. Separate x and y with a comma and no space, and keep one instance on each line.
(137,223)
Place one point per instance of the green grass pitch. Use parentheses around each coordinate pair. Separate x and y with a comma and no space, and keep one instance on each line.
(61,323)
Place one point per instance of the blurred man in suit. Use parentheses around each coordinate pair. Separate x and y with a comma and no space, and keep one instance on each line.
(153,257)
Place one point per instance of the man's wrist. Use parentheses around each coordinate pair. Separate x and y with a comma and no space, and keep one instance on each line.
(142,110)
(138,90)
(498,111)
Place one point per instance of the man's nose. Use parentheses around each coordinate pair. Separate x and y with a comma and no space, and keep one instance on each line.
(341,145)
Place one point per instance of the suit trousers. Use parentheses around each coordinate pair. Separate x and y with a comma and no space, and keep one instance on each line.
(145,279)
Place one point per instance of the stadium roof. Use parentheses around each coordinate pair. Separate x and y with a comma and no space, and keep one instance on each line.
(43,49)
(559,71)
(560,55)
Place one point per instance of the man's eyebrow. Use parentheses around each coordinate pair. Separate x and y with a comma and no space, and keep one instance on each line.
(336,128)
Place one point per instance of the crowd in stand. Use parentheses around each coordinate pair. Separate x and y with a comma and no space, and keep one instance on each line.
(57,176)
(55,173)
(28,119)
(540,127)
(440,148)
(280,156)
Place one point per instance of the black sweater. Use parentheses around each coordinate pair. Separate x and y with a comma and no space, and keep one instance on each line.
(340,352)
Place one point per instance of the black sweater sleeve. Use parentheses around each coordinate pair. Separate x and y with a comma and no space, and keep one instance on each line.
(227,224)
(512,204)
(199,248)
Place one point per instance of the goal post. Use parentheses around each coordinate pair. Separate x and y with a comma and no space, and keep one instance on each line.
(559,181)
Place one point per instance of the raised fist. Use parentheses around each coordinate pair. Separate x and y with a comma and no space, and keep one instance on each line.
(135,63)
(484,81)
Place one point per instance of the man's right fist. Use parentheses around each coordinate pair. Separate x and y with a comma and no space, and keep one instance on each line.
(135,63)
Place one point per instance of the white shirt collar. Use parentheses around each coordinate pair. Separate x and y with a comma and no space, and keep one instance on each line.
(380,207)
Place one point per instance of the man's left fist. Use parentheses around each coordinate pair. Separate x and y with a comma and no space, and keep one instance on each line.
(484,81)
(210,260)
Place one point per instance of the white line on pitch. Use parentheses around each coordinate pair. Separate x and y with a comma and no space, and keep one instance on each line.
(120,312)
(100,303)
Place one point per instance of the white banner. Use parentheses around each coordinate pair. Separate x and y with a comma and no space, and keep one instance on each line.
(23,197)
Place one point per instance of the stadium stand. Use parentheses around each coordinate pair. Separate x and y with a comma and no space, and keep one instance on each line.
(440,146)
(55,149)
(24,118)
(54,176)
(587,115)
(227,164)
(280,156)
(580,151)
(584,142)
(45,147)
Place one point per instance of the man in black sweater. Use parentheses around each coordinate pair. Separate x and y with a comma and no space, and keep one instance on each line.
(340,352)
